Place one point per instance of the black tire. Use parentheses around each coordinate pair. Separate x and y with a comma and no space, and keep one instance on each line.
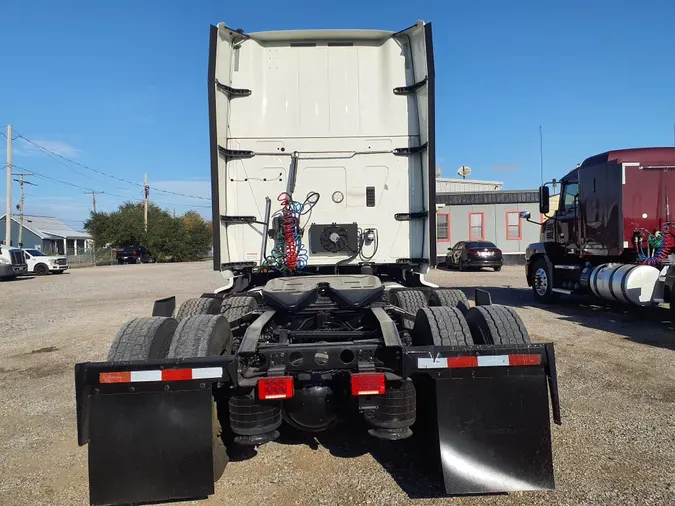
(498,268)
(58,272)
(8,278)
(411,301)
(449,297)
(201,336)
(202,305)
(496,324)
(143,339)
(542,283)
(121,262)
(236,306)
(206,336)
(441,326)
(41,269)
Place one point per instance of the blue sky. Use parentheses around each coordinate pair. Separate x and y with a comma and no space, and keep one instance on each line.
(121,86)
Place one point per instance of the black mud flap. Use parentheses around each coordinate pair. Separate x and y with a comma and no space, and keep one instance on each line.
(150,447)
(494,433)
(148,425)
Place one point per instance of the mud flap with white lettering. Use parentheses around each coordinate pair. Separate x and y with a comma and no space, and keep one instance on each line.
(493,429)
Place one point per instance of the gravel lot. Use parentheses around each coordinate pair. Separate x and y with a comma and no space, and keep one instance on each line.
(616,370)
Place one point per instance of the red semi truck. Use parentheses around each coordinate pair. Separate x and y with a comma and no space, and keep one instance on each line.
(612,234)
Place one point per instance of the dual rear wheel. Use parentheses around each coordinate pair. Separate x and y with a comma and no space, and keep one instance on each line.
(445,318)
(200,335)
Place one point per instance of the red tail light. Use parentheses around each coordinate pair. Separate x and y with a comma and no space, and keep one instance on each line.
(473,251)
(279,387)
(134,252)
(498,252)
(368,384)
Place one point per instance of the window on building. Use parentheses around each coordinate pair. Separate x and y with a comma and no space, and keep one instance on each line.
(443,227)
(514,226)
(476,228)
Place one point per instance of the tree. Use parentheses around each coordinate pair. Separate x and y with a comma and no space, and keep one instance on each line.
(184,238)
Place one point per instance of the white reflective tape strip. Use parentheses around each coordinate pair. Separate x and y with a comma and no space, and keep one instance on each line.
(432,363)
(143,376)
(493,360)
(207,372)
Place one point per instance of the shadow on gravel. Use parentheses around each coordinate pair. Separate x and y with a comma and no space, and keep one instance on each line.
(645,325)
(413,470)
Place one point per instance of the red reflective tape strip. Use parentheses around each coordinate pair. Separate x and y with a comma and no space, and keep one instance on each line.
(176,374)
(114,377)
(514,360)
(150,376)
(524,360)
(457,362)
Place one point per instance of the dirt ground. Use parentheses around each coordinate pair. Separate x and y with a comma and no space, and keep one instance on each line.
(617,385)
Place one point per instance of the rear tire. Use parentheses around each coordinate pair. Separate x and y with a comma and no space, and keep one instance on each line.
(497,269)
(449,297)
(441,326)
(192,307)
(236,306)
(206,336)
(58,272)
(143,339)
(411,301)
(496,324)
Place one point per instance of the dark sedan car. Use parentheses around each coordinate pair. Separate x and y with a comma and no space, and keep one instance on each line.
(474,254)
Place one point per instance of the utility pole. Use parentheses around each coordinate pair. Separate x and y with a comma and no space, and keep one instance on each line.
(21,183)
(93,198)
(8,211)
(146,190)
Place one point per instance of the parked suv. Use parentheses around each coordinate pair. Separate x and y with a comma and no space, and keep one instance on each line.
(40,263)
(133,255)
(12,263)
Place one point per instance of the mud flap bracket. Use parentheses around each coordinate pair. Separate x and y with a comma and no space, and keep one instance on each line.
(150,447)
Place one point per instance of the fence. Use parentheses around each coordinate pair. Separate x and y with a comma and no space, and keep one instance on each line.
(90,257)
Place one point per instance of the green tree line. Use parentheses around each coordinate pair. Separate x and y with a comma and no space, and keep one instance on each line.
(184,238)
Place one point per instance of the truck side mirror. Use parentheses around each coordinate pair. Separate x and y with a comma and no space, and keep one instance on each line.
(525,215)
(544,200)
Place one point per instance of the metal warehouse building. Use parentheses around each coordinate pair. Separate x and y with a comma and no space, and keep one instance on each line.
(487,216)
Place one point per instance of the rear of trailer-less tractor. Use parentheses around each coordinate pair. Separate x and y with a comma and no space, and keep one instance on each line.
(323,163)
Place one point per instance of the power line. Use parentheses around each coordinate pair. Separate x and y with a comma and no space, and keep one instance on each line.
(5,135)
(57,158)
(107,194)
(106,174)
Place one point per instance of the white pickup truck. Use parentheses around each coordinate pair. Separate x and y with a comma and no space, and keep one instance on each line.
(40,263)
(12,263)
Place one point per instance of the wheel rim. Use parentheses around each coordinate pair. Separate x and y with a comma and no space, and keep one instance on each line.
(541,281)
